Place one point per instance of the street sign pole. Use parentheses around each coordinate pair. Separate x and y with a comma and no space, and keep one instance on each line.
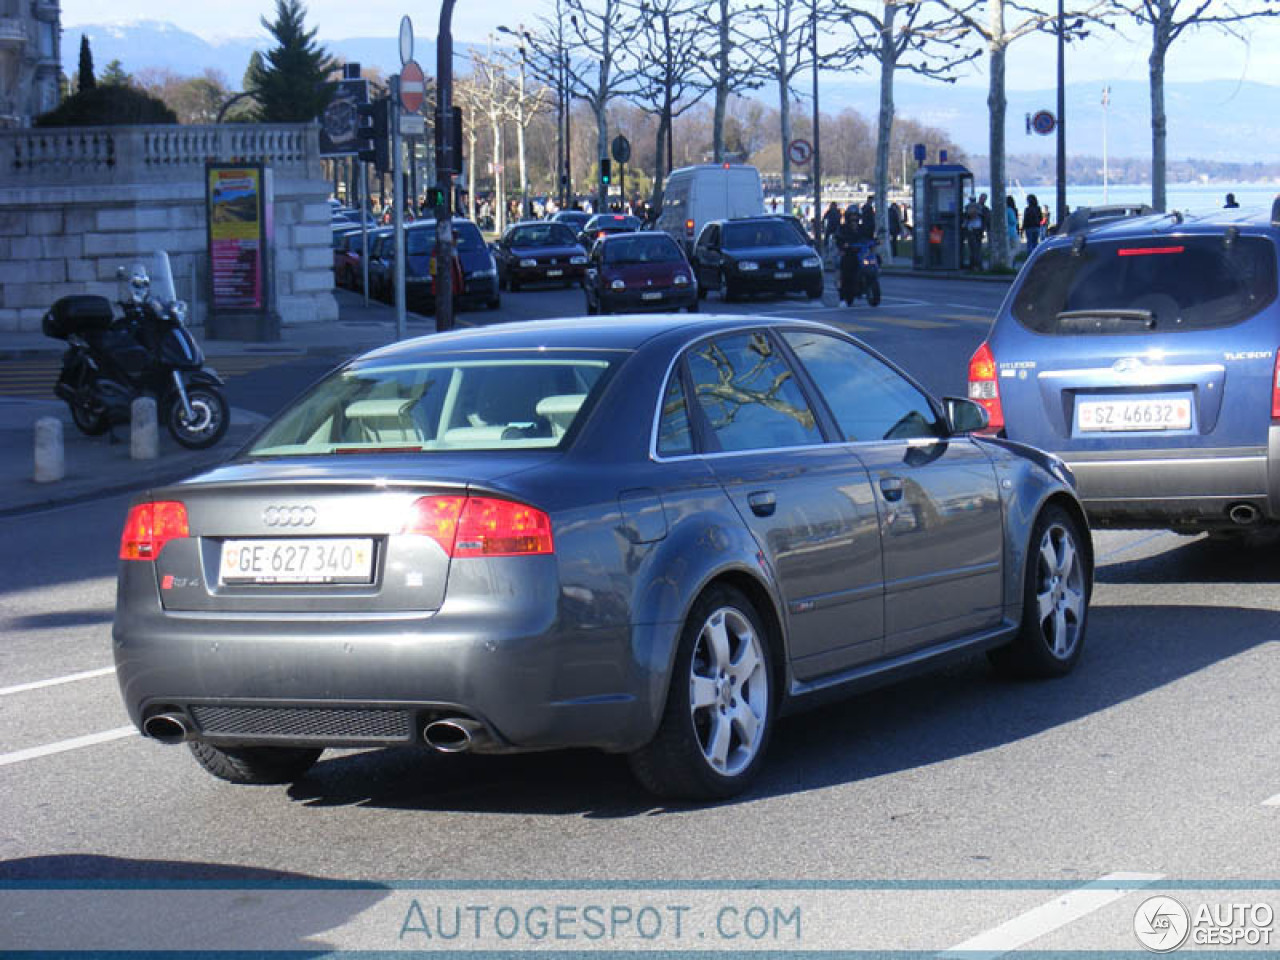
(364,228)
(444,169)
(397,205)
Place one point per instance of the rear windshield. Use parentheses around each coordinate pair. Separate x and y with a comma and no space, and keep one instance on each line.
(761,233)
(1159,285)
(613,222)
(463,403)
(642,248)
(542,235)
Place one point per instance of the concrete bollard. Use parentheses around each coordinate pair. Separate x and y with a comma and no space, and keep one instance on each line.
(51,456)
(144,437)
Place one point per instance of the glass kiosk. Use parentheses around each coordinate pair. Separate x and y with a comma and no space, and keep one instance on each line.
(939,194)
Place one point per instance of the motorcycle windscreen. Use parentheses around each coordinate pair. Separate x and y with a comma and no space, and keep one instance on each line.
(162,288)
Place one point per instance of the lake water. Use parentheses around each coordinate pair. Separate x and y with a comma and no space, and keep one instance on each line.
(1194,197)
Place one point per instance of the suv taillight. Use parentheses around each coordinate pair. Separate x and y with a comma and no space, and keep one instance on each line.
(150,526)
(481,526)
(1275,389)
(984,387)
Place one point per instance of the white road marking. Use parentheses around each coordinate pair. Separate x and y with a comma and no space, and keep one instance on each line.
(1273,802)
(1062,910)
(62,746)
(55,681)
(968,306)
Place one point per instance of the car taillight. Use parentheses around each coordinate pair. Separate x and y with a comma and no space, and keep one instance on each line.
(150,526)
(984,388)
(1275,389)
(481,526)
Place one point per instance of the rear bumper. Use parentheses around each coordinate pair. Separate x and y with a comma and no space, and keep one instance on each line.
(674,298)
(1178,487)
(532,677)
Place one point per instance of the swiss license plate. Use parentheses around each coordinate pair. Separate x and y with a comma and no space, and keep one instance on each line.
(555,273)
(327,560)
(782,275)
(1171,413)
(653,295)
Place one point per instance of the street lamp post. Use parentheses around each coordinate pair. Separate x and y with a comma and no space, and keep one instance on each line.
(1062,116)
(445,162)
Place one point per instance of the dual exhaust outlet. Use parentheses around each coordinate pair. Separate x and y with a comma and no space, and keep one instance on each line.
(450,735)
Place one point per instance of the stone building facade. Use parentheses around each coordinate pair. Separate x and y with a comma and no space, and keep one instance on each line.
(30,59)
(78,202)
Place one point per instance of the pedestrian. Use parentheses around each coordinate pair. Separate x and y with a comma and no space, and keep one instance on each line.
(1231,202)
(847,239)
(895,227)
(1011,219)
(867,219)
(1032,217)
(973,233)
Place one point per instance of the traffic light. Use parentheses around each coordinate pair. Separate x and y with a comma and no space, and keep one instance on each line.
(606,171)
(433,198)
(453,130)
(375,133)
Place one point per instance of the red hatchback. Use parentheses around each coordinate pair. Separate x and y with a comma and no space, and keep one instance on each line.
(627,272)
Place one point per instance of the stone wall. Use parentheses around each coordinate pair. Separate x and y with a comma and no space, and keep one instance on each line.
(76,203)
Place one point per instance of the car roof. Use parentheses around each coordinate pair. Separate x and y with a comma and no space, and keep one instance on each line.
(1211,222)
(577,333)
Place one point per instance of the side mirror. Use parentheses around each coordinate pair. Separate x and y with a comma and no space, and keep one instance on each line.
(965,416)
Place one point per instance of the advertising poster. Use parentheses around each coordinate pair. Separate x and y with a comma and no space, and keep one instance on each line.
(340,122)
(237,234)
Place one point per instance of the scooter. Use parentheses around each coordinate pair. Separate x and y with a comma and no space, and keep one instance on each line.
(867,281)
(147,351)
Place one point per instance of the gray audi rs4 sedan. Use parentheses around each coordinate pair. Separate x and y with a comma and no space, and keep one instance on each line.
(648,535)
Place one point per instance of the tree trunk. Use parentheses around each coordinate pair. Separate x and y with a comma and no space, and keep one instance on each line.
(996,104)
(785,123)
(722,85)
(884,131)
(1160,30)
(524,169)
(658,147)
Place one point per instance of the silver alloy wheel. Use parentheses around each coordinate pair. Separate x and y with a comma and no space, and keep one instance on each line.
(728,691)
(1060,591)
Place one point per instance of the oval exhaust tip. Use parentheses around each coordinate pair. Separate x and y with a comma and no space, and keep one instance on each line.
(1243,514)
(448,736)
(166,728)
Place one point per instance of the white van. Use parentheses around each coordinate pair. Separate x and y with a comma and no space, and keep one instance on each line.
(708,191)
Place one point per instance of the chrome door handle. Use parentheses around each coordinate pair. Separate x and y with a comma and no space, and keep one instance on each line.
(763,503)
(891,487)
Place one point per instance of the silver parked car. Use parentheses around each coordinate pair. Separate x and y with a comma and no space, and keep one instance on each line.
(646,535)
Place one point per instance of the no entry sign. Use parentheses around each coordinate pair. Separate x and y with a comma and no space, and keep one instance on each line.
(413,87)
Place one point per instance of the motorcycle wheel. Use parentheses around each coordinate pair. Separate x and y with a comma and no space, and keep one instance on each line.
(873,292)
(208,426)
(88,422)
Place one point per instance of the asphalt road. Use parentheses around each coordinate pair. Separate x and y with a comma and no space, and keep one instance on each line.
(1156,757)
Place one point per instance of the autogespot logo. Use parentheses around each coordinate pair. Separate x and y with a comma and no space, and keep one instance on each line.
(1161,924)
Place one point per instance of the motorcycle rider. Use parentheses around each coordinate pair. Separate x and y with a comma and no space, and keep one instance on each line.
(847,239)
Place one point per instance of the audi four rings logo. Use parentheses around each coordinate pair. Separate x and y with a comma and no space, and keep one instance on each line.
(289,516)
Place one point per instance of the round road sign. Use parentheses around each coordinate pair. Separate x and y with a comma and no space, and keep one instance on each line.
(800,151)
(413,87)
(1044,123)
(406,40)
(621,149)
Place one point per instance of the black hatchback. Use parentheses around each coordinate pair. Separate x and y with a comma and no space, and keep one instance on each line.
(756,255)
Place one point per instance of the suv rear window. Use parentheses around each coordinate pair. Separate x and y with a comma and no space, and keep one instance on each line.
(1163,284)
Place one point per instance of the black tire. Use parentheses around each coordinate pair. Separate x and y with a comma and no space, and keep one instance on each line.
(678,763)
(702,291)
(727,291)
(257,765)
(592,309)
(814,292)
(1057,585)
(873,292)
(693,307)
(89,422)
(212,417)
(494,304)
(513,285)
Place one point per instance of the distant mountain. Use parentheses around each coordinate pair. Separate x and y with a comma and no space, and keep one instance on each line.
(1211,120)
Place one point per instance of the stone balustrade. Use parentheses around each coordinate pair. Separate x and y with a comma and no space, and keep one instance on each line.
(76,202)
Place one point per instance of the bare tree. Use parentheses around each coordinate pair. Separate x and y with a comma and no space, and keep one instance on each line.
(783,50)
(528,100)
(605,31)
(997,33)
(919,36)
(494,97)
(730,72)
(668,79)
(1168,20)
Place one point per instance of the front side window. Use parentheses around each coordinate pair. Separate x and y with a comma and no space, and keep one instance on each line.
(440,404)
(749,395)
(869,399)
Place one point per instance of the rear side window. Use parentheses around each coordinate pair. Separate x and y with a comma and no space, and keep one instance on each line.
(1163,285)
(749,394)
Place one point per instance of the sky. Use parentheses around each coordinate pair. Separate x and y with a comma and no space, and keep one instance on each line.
(1107,56)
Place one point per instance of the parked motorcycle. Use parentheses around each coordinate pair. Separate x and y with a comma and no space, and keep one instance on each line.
(145,351)
(864,281)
